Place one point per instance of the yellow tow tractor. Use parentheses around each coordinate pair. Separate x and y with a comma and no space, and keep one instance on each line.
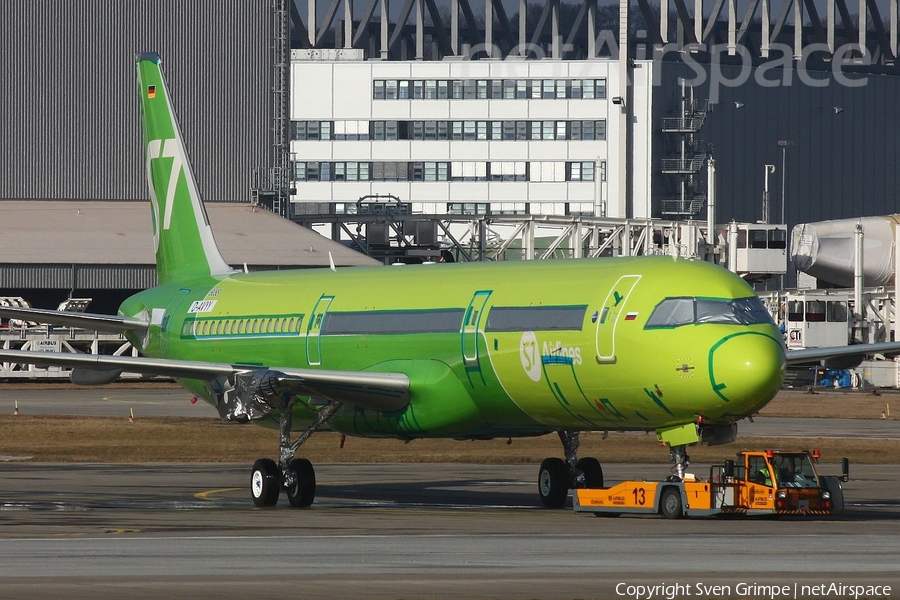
(770,482)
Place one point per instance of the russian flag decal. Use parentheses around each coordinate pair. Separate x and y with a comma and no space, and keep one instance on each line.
(631,316)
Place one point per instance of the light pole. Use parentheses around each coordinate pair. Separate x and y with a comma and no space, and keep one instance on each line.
(766,206)
(783,144)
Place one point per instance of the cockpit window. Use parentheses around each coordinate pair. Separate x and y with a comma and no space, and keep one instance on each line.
(674,312)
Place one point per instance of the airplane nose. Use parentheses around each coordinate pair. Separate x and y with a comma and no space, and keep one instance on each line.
(747,368)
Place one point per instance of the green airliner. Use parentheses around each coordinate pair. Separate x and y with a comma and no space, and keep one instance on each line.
(466,351)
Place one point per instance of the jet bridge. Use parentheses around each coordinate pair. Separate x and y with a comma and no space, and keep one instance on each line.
(393,233)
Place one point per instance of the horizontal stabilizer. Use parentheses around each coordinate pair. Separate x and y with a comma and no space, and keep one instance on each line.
(106,323)
(376,391)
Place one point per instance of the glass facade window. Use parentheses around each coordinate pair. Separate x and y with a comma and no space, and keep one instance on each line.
(468,130)
(521,130)
(458,130)
(509,130)
(575,88)
(561,88)
(521,89)
(560,130)
(580,171)
(547,128)
(391,130)
(588,87)
(549,89)
(575,130)
(469,89)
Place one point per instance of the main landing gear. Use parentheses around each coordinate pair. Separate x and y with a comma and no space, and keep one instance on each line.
(295,476)
(558,476)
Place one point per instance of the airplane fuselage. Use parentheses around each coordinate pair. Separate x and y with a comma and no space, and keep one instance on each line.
(493,349)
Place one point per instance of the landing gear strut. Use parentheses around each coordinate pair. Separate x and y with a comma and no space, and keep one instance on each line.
(557,477)
(679,456)
(296,476)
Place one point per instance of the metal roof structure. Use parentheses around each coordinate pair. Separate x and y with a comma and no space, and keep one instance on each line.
(70,104)
(109,244)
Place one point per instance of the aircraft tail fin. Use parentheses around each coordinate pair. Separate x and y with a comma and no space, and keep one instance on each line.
(185,247)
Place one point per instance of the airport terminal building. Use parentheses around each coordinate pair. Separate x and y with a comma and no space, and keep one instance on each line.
(511,137)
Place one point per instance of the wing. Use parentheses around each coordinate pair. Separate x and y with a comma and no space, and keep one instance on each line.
(377,391)
(796,357)
(107,323)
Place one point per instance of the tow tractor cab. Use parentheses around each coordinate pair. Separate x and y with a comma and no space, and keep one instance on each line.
(784,483)
(770,482)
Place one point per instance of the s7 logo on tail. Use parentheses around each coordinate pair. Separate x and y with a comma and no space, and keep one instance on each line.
(159,149)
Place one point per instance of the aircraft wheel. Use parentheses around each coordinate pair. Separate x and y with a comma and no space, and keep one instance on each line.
(302,493)
(593,472)
(670,504)
(553,482)
(265,481)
